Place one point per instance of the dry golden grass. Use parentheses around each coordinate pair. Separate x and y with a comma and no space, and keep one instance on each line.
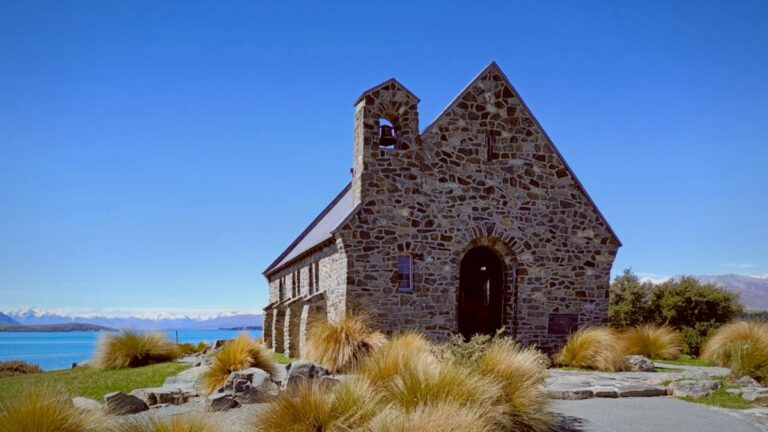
(652,341)
(45,409)
(716,348)
(403,352)
(236,355)
(339,346)
(178,423)
(134,349)
(432,418)
(593,348)
(521,372)
(314,407)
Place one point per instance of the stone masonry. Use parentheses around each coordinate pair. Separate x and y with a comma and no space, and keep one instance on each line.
(483,174)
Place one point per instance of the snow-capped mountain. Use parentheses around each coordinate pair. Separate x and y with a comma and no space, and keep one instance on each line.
(138,320)
(6,320)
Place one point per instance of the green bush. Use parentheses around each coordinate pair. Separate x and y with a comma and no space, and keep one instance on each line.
(16,367)
(685,304)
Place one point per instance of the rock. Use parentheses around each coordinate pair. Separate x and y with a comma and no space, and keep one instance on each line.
(747,381)
(163,395)
(119,403)
(188,380)
(301,370)
(251,386)
(220,343)
(694,389)
(570,394)
(84,363)
(220,402)
(643,391)
(606,392)
(84,403)
(638,363)
(750,393)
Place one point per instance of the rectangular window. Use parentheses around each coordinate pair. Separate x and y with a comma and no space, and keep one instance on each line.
(281,289)
(311,278)
(317,276)
(405,273)
(297,286)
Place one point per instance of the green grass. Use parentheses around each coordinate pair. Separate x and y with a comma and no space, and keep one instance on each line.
(281,358)
(721,398)
(91,382)
(686,360)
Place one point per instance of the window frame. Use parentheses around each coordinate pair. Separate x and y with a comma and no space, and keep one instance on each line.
(401,274)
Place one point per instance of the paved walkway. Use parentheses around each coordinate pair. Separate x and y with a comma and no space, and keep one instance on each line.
(659,414)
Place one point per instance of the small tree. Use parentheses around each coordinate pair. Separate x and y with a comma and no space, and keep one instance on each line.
(630,301)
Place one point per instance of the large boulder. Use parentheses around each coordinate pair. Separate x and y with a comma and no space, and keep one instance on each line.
(188,380)
(638,363)
(694,389)
(163,395)
(302,370)
(119,403)
(251,386)
(747,381)
(220,402)
(86,404)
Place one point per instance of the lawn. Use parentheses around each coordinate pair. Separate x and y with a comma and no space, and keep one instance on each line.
(686,360)
(93,383)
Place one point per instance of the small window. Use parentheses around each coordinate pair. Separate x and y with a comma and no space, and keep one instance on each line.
(297,285)
(311,278)
(281,289)
(317,276)
(405,273)
(490,143)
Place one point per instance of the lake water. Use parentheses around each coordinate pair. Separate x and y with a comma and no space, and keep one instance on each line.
(58,350)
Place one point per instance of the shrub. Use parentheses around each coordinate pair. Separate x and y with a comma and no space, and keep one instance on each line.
(521,373)
(629,301)
(593,348)
(695,337)
(656,342)
(313,407)
(13,368)
(461,351)
(719,347)
(45,409)
(432,418)
(237,354)
(177,423)
(403,352)
(133,349)
(190,349)
(339,346)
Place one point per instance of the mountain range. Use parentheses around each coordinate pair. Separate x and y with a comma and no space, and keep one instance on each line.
(6,320)
(753,291)
(157,321)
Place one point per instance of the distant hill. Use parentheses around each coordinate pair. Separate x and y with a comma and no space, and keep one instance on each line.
(753,291)
(53,328)
(156,321)
(6,320)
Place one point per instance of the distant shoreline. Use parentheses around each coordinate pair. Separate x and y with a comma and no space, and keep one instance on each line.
(243,328)
(73,327)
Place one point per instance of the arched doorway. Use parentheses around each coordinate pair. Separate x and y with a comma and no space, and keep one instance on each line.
(481,292)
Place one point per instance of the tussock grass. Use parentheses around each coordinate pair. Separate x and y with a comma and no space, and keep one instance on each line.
(593,348)
(338,347)
(134,349)
(403,352)
(717,348)
(749,357)
(432,418)
(236,355)
(655,342)
(314,407)
(190,348)
(16,367)
(45,409)
(178,423)
(521,373)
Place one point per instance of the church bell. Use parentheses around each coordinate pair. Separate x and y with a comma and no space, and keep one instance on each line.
(387,136)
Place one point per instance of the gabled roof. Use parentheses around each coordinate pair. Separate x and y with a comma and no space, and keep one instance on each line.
(385,83)
(495,67)
(319,231)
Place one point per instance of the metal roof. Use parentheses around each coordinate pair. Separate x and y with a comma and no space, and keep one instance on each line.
(320,230)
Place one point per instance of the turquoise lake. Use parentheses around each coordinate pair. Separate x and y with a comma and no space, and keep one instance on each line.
(58,350)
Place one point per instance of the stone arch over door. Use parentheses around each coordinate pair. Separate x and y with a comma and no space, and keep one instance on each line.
(496,252)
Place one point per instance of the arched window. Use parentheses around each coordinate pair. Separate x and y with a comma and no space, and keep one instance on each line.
(388,135)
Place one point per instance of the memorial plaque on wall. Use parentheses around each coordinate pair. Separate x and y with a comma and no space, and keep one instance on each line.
(562,323)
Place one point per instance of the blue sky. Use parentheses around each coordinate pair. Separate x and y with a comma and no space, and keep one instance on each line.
(161,154)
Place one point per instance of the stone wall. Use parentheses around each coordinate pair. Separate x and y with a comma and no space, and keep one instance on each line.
(483,173)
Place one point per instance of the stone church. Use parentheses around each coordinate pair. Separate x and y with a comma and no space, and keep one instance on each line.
(470,224)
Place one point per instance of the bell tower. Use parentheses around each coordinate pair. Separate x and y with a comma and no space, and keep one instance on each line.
(386,128)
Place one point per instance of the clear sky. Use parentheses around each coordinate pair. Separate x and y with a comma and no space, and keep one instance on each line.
(160,154)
